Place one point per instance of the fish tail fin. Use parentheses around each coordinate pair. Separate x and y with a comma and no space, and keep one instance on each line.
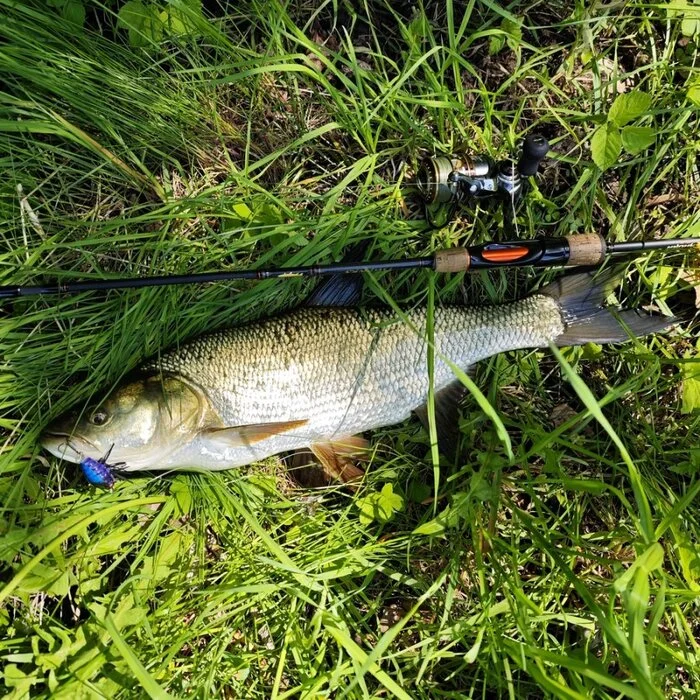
(580,298)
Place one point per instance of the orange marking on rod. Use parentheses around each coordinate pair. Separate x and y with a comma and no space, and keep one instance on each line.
(502,255)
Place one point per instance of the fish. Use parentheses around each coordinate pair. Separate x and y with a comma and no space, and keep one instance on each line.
(319,378)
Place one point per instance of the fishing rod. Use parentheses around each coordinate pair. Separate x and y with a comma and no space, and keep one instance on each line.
(589,249)
(443,181)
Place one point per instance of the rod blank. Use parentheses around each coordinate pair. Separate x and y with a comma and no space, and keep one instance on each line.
(206,277)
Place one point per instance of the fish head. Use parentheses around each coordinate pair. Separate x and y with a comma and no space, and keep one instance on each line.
(140,423)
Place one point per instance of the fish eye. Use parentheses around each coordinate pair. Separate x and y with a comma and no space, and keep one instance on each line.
(99,417)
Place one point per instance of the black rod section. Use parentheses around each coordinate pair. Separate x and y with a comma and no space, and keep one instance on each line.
(204,277)
(639,246)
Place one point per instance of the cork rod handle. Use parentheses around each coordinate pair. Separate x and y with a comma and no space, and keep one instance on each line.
(452,260)
(586,249)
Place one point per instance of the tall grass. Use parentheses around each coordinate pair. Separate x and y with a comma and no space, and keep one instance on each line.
(568,563)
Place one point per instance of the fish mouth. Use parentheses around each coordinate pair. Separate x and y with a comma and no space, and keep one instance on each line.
(72,448)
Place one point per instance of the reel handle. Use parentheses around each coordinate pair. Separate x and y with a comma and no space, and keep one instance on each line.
(535,149)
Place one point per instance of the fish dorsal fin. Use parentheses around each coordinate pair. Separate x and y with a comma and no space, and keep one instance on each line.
(342,289)
(338,458)
(243,435)
(447,402)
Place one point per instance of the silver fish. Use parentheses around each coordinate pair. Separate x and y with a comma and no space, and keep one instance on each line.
(318,377)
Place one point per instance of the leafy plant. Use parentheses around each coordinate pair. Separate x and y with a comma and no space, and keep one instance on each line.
(148,22)
(71,10)
(690,393)
(462,506)
(617,133)
(380,506)
(689,13)
(511,34)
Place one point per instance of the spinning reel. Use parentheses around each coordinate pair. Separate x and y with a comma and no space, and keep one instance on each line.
(446,182)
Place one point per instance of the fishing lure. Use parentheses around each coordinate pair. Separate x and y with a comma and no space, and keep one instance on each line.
(98,472)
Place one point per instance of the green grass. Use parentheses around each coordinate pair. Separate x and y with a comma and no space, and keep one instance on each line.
(568,563)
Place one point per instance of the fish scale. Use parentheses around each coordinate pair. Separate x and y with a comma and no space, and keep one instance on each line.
(347,370)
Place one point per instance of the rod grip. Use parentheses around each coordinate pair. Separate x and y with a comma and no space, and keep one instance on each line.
(586,249)
(452,260)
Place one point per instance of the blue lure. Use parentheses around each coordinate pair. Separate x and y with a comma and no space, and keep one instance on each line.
(98,472)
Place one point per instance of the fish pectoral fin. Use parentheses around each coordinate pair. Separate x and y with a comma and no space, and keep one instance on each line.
(338,458)
(447,402)
(244,435)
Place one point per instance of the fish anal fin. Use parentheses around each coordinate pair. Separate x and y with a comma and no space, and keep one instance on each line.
(339,458)
(447,402)
(242,435)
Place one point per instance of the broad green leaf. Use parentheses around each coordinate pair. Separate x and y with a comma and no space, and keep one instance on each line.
(690,26)
(419,28)
(181,490)
(591,351)
(142,21)
(418,492)
(511,32)
(172,22)
(636,138)
(693,94)
(689,555)
(181,22)
(132,14)
(606,146)
(651,558)
(514,31)
(436,526)
(242,211)
(379,506)
(74,11)
(461,507)
(151,29)
(390,500)
(629,106)
(677,8)
(479,489)
(691,387)
(496,43)
(14,677)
